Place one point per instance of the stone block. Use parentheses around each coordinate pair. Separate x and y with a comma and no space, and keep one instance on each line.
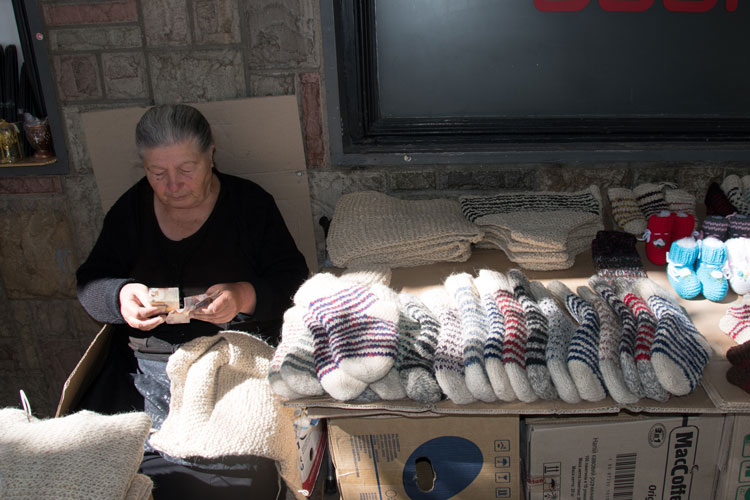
(113,37)
(575,178)
(30,185)
(78,154)
(125,75)
(271,84)
(41,397)
(165,22)
(216,21)
(312,120)
(77,77)
(281,34)
(412,180)
(483,179)
(37,257)
(86,214)
(208,75)
(124,11)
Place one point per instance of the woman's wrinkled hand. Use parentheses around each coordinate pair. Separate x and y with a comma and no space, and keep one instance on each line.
(231,299)
(136,309)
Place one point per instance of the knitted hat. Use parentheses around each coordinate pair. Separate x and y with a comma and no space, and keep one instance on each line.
(561,331)
(474,329)
(650,198)
(716,226)
(626,212)
(84,455)
(738,261)
(717,202)
(222,406)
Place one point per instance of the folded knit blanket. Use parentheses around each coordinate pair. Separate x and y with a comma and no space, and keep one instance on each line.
(80,456)
(374,228)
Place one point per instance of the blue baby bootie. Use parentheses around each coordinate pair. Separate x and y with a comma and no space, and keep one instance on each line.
(711,260)
(680,260)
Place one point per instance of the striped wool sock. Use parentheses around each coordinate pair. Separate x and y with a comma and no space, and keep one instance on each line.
(650,198)
(389,387)
(583,361)
(418,336)
(745,179)
(360,322)
(679,352)
(487,285)
(626,212)
(716,226)
(739,226)
(561,331)
(536,342)
(736,322)
(297,363)
(277,383)
(514,345)
(646,329)
(473,333)
(627,337)
(679,200)
(450,371)
(732,187)
(610,334)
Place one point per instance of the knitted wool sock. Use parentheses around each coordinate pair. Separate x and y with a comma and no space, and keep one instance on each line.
(717,202)
(615,256)
(739,225)
(659,237)
(740,377)
(709,268)
(473,334)
(683,225)
(629,327)
(561,331)
(716,226)
(745,179)
(680,272)
(516,333)
(732,187)
(679,200)
(609,347)
(736,322)
(487,285)
(679,352)
(274,375)
(297,364)
(738,260)
(389,387)
(625,211)
(650,199)
(536,342)
(360,322)
(418,336)
(583,359)
(645,330)
(739,354)
(450,371)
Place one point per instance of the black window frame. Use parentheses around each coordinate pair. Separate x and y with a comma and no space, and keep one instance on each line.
(359,134)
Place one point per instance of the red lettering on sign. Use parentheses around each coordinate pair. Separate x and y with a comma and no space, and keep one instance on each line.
(560,5)
(625,5)
(689,5)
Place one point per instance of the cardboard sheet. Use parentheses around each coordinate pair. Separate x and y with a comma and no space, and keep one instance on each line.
(259,139)
(715,395)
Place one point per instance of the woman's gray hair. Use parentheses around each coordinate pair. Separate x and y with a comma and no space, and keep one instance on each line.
(169,124)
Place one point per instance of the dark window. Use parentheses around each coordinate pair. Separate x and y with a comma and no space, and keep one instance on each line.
(488,75)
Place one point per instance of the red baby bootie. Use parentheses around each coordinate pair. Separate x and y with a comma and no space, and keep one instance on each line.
(659,237)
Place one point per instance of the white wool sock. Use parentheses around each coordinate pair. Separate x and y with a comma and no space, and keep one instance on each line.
(418,337)
(297,363)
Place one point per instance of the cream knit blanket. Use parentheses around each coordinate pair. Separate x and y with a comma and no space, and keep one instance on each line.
(77,457)
(222,405)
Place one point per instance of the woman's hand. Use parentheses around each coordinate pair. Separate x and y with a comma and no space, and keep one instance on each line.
(231,299)
(136,309)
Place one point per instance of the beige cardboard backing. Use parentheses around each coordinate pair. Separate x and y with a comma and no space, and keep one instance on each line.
(259,139)
(715,395)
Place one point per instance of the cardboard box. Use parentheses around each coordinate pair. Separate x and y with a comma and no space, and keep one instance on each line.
(669,458)
(734,477)
(426,458)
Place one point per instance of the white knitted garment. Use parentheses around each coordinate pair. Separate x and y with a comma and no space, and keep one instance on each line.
(372,227)
(77,457)
(222,405)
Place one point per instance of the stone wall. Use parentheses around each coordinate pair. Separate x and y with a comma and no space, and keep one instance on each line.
(116,53)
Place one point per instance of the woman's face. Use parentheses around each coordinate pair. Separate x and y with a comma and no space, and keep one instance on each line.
(179,174)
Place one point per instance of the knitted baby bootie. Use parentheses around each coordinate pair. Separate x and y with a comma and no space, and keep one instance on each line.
(711,260)
(683,225)
(738,263)
(716,226)
(659,237)
(682,277)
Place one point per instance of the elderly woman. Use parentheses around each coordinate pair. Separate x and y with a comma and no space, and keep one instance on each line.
(189,226)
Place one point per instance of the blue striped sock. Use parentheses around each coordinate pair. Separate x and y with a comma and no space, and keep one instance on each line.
(474,334)
(583,361)
(536,342)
